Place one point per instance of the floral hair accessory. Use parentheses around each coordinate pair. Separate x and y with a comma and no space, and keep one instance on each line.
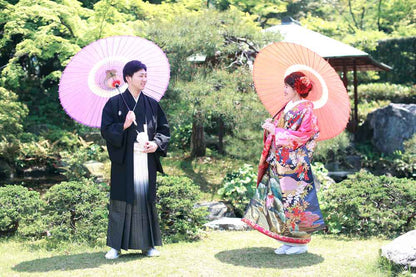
(303,85)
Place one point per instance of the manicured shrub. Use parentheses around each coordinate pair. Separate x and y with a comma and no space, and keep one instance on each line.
(179,220)
(368,205)
(77,211)
(20,211)
(386,91)
(238,188)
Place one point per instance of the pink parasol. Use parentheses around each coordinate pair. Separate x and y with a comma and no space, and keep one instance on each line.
(95,74)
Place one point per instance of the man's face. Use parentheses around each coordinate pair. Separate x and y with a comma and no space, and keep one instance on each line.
(138,80)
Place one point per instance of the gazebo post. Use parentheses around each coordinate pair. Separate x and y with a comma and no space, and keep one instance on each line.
(345,77)
(355,123)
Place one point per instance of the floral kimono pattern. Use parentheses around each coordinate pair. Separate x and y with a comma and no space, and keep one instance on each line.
(285,206)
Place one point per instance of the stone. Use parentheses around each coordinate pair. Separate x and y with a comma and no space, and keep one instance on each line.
(339,176)
(94,168)
(391,126)
(402,251)
(216,210)
(94,137)
(227,224)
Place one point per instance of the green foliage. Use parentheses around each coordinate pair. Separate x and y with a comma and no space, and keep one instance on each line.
(386,91)
(399,53)
(73,160)
(39,152)
(245,144)
(401,164)
(369,26)
(238,188)
(394,17)
(179,220)
(222,97)
(20,211)
(222,39)
(404,163)
(333,150)
(12,114)
(367,205)
(265,11)
(76,211)
(321,174)
(376,95)
(181,136)
(37,39)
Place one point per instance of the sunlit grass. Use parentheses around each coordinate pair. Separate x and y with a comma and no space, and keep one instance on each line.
(217,254)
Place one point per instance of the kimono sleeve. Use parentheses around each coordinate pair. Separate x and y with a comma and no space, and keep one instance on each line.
(296,138)
(111,130)
(162,136)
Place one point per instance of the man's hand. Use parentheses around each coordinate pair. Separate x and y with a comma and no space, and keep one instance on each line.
(150,147)
(130,118)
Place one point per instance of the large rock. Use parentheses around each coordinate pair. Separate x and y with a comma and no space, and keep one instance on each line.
(227,223)
(391,126)
(402,251)
(95,169)
(216,210)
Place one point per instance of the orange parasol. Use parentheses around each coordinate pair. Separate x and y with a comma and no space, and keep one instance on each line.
(329,96)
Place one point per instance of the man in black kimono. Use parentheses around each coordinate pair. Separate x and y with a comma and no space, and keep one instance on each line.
(137,134)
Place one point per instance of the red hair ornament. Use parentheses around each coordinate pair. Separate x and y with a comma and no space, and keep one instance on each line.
(303,85)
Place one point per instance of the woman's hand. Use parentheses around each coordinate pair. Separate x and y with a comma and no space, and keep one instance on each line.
(269,126)
(150,147)
(130,118)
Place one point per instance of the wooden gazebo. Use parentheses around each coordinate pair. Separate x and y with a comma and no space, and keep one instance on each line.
(341,57)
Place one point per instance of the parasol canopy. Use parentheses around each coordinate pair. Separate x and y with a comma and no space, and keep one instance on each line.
(95,74)
(329,96)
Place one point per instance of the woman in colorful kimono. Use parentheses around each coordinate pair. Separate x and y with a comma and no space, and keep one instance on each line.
(285,206)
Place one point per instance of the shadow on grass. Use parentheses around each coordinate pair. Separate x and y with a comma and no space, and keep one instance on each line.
(73,262)
(197,178)
(264,257)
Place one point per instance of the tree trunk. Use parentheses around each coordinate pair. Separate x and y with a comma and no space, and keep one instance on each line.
(197,138)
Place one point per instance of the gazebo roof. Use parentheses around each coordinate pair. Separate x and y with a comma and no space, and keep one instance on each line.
(340,55)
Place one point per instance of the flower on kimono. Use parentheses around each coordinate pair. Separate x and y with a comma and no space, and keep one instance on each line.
(284,154)
(295,144)
(308,218)
(269,200)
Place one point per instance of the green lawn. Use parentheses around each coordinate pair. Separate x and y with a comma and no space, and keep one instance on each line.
(217,254)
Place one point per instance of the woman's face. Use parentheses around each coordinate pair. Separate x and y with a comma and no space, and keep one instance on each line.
(138,80)
(289,92)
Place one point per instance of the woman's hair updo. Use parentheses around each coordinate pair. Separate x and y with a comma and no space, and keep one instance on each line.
(299,82)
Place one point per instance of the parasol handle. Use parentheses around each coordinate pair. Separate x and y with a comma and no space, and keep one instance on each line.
(117,87)
(279,111)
